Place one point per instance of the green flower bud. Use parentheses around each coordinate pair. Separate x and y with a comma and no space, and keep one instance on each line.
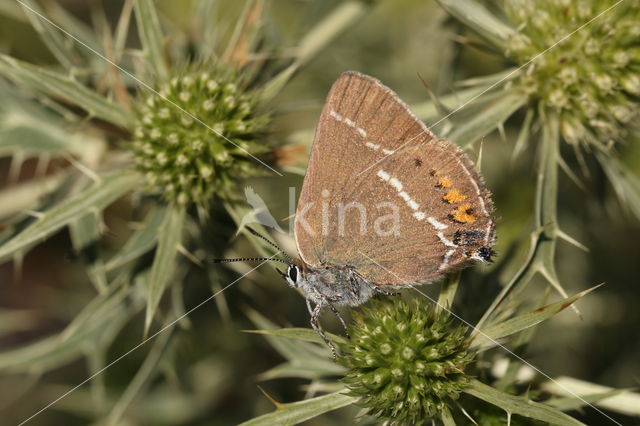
(586,76)
(191,162)
(405,361)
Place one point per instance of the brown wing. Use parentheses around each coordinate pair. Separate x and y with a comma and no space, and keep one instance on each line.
(383,195)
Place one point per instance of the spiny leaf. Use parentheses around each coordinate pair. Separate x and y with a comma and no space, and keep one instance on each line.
(142,377)
(245,35)
(151,37)
(339,20)
(621,401)
(169,238)
(574,403)
(468,92)
(546,204)
(79,29)
(56,84)
(489,118)
(12,10)
(304,334)
(476,16)
(237,212)
(17,198)
(16,320)
(625,183)
(297,412)
(85,233)
(448,292)
(447,418)
(310,359)
(50,35)
(97,197)
(289,349)
(142,240)
(28,130)
(55,351)
(527,320)
(105,304)
(519,405)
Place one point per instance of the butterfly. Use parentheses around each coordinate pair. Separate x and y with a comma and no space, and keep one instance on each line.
(384,203)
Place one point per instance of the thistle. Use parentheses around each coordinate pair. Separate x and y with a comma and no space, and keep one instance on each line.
(198,135)
(589,79)
(405,361)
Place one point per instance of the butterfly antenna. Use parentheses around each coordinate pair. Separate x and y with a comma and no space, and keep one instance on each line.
(247,259)
(268,241)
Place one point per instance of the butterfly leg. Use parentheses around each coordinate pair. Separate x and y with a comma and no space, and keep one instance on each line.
(385,292)
(337,313)
(315,314)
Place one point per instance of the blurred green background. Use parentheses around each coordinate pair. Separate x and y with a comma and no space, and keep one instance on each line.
(212,372)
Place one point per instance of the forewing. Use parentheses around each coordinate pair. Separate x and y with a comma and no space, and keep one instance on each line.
(378,191)
(361,123)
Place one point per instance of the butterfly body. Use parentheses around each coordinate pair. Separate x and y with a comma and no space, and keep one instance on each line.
(328,285)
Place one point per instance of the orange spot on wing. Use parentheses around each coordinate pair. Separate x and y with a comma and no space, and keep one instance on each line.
(444,182)
(462,215)
(454,196)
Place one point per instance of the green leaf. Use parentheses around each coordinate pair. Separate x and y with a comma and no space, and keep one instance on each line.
(447,418)
(50,35)
(169,238)
(85,233)
(27,195)
(100,324)
(546,204)
(11,10)
(142,240)
(79,29)
(237,211)
(476,16)
(305,359)
(342,18)
(53,83)
(521,322)
(16,320)
(448,292)
(574,402)
(109,188)
(304,334)
(151,37)
(28,129)
(621,401)
(625,183)
(469,91)
(519,405)
(297,412)
(487,119)
(142,377)
(302,370)
(106,304)
(288,349)
(541,256)
(29,132)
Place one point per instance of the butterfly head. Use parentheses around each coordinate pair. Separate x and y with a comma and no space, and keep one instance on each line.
(295,273)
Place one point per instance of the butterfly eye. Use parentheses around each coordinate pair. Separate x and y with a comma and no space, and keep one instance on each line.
(293,273)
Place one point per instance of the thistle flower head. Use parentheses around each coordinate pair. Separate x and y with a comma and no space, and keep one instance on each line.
(589,78)
(195,136)
(405,361)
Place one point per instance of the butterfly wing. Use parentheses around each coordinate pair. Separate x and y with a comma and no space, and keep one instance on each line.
(383,195)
